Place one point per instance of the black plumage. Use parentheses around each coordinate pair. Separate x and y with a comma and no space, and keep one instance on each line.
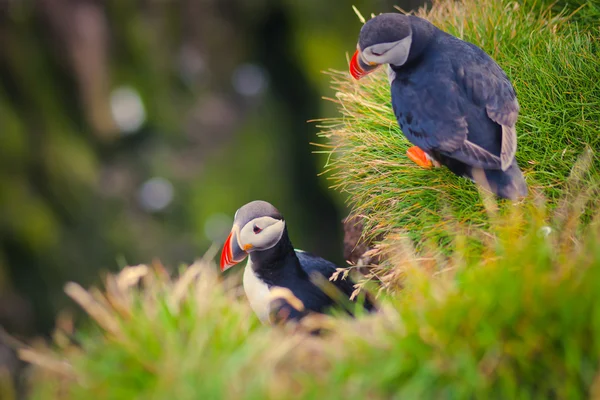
(283,266)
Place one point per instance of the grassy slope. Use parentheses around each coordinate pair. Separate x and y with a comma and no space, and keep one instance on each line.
(554,67)
(521,321)
(516,318)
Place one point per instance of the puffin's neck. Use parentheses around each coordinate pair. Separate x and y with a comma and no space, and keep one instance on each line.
(422,34)
(275,258)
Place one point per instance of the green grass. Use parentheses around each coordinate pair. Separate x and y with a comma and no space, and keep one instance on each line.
(519,320)
(510,313)
(553,64)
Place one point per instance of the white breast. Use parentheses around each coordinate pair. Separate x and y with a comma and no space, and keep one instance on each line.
(257,292)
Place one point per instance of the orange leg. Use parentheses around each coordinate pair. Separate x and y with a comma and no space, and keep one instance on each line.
(419,157)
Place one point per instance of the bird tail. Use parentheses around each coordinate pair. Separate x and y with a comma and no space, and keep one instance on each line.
(508,184)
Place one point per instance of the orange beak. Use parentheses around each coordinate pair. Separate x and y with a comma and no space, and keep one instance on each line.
(232,253)
(358,68)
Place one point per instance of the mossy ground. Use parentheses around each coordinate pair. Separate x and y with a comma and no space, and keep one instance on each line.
(512,312)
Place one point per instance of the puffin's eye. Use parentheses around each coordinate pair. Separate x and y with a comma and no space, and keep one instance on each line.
(257,229)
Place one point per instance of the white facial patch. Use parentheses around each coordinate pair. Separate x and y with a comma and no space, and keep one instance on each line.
(261,234)
(394,53)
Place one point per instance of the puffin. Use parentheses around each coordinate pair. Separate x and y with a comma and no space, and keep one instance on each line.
(281,283)
(452,101)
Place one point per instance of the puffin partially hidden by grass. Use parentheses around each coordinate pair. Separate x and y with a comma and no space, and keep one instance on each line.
(451,100)
(281,283)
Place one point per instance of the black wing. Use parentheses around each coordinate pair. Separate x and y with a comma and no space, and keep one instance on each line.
(432,111)
(311,263)
(486,84)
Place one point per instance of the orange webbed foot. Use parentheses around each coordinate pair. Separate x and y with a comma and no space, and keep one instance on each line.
(419,157)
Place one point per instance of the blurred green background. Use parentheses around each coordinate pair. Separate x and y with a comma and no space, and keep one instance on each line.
(133,130)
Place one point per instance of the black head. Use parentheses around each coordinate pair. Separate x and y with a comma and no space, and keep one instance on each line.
(384,28)
(257,226)
(255,209)
(389,39)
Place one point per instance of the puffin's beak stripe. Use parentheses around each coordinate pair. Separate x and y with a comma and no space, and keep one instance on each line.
(355,70)
(226,255)
(232,253)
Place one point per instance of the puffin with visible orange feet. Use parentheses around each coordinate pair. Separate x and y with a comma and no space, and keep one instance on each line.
(452,101)
(279,281)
